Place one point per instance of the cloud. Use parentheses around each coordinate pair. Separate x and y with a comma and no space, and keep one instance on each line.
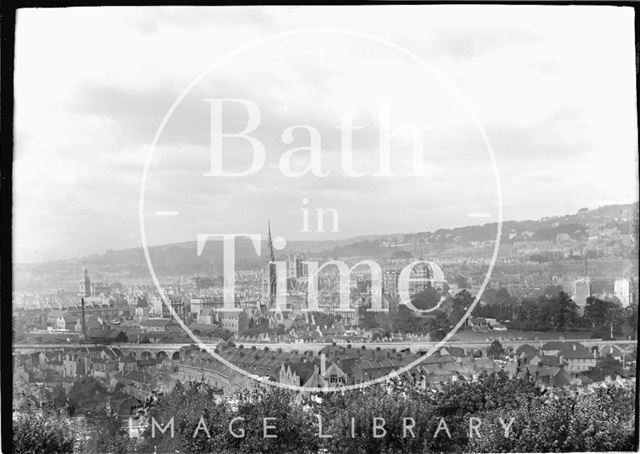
(557,104)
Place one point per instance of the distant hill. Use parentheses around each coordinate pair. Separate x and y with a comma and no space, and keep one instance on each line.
(180,259)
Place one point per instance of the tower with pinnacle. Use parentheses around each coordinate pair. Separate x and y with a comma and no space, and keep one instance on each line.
(85,284)
(269,274)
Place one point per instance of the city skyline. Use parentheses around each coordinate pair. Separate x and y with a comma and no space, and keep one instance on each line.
(291,245)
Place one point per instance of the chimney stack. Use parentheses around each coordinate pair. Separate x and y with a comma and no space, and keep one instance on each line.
(84,325)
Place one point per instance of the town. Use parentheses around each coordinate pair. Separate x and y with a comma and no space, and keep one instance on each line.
(573,332)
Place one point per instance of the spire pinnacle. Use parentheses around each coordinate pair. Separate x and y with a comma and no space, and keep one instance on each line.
(270,244)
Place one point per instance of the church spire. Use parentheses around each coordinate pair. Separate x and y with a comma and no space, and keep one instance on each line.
(270,245)
(269,286)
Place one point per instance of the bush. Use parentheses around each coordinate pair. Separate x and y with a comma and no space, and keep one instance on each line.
(42,434)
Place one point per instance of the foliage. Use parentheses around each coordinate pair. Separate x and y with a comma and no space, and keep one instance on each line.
(602,421)
(542,421)
(499,304)
(546,313)
(495,350)
(87,396)
(43,433)
(425,299)
(435,323)
(294,428)
(606,366)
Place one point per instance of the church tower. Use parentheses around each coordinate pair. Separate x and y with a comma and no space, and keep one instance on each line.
(269,274)
(85,284)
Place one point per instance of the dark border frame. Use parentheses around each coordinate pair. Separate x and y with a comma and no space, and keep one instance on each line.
(7,54)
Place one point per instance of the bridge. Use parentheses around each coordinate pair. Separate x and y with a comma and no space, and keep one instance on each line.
(139,351)
(172,350)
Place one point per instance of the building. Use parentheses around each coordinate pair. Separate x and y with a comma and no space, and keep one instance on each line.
(198,305)
(85,284)
(160,309)
(622,291)
(75,364)
(233,320)
(579,290)
(204,369)
(107,336)
(576,356)
(577,359)
(62,320)
(269,279)
(582,293)
(295,266)
(157,324)
(390,282)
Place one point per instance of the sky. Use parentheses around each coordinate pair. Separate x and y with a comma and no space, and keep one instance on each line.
(546,93)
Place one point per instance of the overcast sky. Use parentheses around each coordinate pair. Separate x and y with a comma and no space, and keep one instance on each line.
(553,88)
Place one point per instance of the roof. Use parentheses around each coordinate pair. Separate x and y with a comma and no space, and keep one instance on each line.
(68,316)
(611,350)
(548,360)
(576,354)
(304,370)
(105,333)
(140,377)
(156,322)
(146,362)
(528,351)
(562,345)
(454,351)
(204,328)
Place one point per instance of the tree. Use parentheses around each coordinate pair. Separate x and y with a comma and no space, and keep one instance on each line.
(426,299)
(495,350)
(87,396)
(552,291)
(503,296)
(461,302)
(45,433)
(543,421)
(188,405)
(364,406)
(438,326)
(598,312)
(561,423)
(461,281)
(561,311)
(606,366)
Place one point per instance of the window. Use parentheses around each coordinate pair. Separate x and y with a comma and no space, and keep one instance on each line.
(333,378)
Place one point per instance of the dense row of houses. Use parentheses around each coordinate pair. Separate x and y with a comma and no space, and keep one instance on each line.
(139,376)
(558,364)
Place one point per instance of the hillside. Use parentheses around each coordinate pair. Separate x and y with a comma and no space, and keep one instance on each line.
(180,259)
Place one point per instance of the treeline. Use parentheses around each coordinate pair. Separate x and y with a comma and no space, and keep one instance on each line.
(82,419)
(495,413)
(553,311)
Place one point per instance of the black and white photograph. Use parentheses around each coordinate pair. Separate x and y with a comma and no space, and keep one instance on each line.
(375,228)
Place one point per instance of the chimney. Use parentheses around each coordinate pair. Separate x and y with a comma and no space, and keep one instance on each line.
(574,347)
(84,325)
